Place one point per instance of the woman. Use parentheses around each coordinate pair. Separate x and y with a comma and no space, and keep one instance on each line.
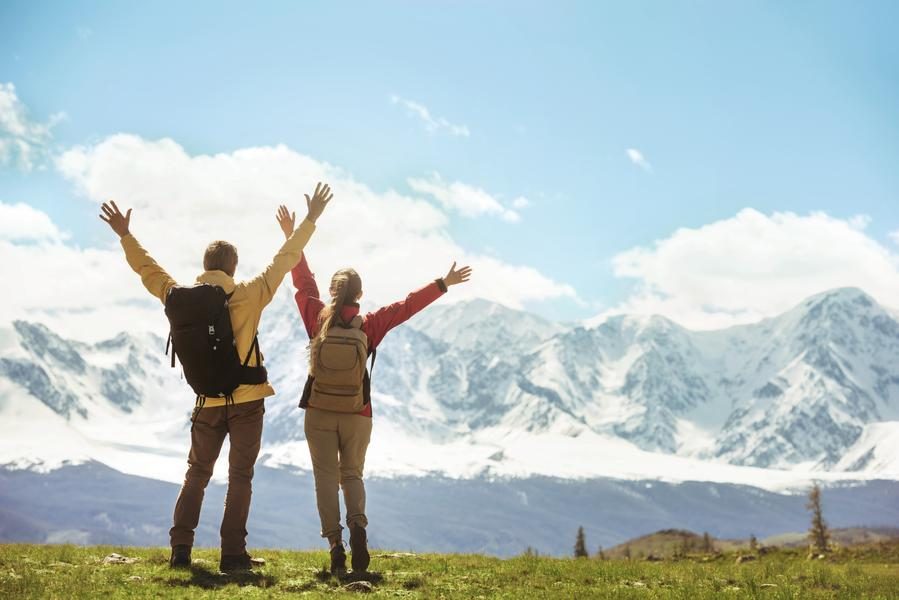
(338,412)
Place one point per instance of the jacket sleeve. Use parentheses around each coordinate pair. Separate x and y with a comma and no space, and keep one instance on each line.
(154,277)
(261,289)
(379,322)
(307,297)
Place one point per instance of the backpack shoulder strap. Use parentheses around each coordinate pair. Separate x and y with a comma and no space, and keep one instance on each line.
(168,346)
(254,346)
(374,355)
(366,377)
(354,323)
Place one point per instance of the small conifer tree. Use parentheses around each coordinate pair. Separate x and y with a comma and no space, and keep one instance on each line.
(580,546)
(819,536)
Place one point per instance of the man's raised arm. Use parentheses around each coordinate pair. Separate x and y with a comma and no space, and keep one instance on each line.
(154,277)
(261,289)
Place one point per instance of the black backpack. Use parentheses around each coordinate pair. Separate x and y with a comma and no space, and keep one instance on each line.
(202,337)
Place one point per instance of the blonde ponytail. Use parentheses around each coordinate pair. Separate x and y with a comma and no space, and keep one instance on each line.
(346,285)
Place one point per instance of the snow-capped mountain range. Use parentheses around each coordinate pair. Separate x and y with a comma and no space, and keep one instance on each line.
(474,388)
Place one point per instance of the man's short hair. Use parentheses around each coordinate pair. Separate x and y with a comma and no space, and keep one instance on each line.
(220,256)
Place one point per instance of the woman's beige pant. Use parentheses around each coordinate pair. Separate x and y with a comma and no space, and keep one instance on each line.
(337,445)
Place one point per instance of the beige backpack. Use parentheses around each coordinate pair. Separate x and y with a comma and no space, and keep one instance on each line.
(338,375)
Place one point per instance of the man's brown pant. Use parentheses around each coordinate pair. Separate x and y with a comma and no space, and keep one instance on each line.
(243,423)
(337,445)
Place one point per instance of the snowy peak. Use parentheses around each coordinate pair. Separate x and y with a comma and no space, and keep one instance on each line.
(71,378)
(824,371)
(39,362)
(37,339)
(481,324)
(847,317)
(841,298)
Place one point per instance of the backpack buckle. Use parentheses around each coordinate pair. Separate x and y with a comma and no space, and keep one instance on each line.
(211,330)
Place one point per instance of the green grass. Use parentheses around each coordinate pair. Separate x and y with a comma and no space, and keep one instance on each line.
(34,571)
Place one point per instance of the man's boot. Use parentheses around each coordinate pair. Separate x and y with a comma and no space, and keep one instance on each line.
(235,562)
(180,558)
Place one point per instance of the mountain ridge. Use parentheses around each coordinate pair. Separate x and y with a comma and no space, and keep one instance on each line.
(811,391)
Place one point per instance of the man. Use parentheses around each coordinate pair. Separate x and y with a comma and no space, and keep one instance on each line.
(240,415)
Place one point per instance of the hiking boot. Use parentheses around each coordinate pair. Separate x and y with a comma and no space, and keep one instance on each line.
(338,560)
(180,558)
(235,562)
(359,548)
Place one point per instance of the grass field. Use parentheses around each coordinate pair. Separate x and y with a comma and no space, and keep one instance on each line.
(35,571)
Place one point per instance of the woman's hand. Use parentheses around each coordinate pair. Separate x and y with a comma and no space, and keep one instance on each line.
(456,276)
(287,220)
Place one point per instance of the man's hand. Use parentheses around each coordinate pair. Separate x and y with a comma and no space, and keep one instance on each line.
(287,220)
(316,205)
(115,218)
(456,276)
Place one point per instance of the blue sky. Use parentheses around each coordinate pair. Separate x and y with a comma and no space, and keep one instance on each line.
(765,105)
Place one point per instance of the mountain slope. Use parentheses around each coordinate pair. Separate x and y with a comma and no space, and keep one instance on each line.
(434,514)
(827,369)
(64,401)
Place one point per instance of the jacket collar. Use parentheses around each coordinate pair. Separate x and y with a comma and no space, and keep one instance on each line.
(219,278)
(348,312)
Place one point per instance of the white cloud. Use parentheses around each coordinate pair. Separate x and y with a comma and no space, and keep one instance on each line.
(431,123)
(20,222)
(467,200)
(181,202)
(23,142)
(895,236)
(753,265)
(859,221)
(636,157)
(54,280)
(521,202)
